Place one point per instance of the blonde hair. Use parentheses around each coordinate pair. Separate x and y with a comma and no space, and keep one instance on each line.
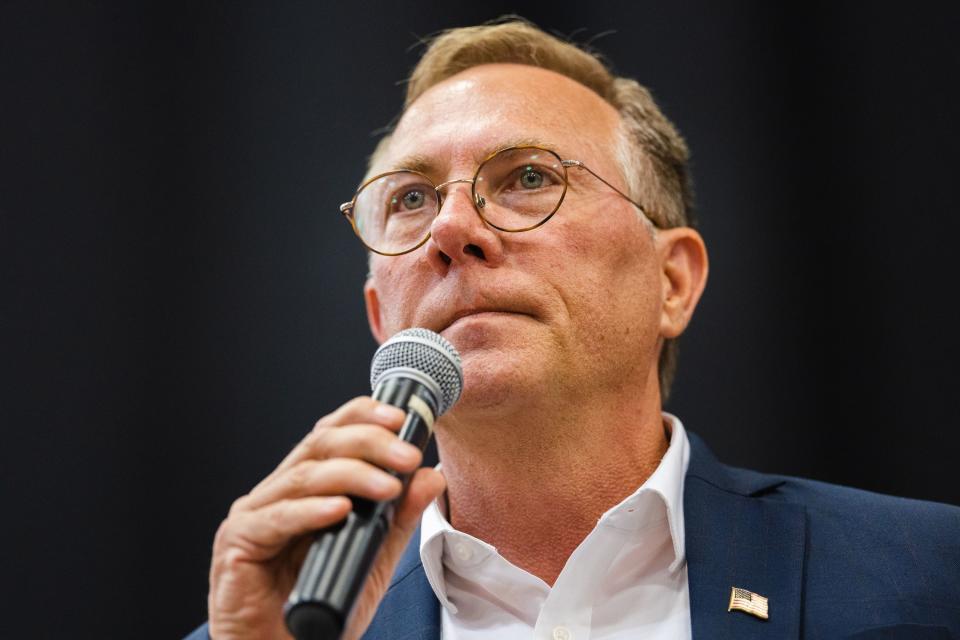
(652,154)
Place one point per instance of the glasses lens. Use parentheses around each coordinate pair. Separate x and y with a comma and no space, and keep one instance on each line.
(393,213)
(518,189)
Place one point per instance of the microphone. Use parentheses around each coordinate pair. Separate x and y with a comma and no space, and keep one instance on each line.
(418,371)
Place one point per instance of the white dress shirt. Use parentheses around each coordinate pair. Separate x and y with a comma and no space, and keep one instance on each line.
(627,579)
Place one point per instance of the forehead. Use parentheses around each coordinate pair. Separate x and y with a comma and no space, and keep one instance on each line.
(459,121)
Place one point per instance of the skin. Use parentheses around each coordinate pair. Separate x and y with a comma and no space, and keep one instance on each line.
(260,546)
(559,330)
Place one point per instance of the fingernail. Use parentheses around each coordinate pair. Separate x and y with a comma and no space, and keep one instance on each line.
(381,482)
(332,505)
(388,412)
(403,452)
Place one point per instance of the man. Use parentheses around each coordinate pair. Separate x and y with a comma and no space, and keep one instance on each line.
(535,211)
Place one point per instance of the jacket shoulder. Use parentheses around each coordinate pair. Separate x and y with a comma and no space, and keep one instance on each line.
(831,506)
(864,549)
(877,520)
(897,557)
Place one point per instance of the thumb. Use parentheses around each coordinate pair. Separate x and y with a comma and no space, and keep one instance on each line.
(426,485)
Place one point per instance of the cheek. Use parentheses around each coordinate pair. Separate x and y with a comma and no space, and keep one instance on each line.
(615,286)
(406,290)
(611,257)
(389,279)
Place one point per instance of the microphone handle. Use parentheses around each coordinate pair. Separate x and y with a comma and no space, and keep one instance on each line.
(341,556)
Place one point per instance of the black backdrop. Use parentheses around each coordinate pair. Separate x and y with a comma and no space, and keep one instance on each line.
(181,298)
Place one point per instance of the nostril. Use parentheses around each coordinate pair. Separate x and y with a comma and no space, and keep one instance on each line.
(474,250)
(445,258)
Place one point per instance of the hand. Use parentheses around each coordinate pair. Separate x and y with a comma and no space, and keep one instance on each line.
(259,548)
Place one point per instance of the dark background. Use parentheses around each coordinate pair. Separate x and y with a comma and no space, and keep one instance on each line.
(181,300)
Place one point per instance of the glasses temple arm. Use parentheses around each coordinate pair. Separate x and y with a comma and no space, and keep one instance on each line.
(580,165)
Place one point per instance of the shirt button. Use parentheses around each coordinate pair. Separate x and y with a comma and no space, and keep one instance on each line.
(562,633)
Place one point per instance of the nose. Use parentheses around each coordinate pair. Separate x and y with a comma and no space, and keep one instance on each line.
(458,233)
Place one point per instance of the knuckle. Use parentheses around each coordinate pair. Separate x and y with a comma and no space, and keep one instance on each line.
(363,439)
(330,419)
(361,402)
(237,506)
(352,406)
(222,533)
(220,563)
(276,516)
(301,476)
(233,557)
(319,441)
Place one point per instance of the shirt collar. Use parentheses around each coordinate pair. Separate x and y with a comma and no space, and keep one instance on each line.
(433,527)
(666,482)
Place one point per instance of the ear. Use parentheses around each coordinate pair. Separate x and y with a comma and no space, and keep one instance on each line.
(683,263)
(375,320)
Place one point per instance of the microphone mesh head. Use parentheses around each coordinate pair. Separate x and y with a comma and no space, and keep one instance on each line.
(427,352)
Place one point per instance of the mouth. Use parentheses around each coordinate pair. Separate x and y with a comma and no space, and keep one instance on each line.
(467,315)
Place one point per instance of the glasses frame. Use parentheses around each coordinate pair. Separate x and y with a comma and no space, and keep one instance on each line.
(347,208)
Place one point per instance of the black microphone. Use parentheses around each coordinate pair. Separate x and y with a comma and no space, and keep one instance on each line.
(418,371)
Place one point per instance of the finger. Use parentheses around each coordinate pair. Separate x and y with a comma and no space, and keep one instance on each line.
(365,409)
(362,410)
(368,442)
(425,486)
(260,535)
(336,476)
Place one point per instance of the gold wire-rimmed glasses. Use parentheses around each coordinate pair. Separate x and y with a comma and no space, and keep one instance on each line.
(515,189)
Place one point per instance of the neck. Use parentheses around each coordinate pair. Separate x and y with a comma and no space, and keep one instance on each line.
(534,481)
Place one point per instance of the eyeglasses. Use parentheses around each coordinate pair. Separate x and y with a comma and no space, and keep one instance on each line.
(515,189)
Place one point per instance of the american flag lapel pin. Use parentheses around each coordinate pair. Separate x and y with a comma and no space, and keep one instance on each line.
(748,602)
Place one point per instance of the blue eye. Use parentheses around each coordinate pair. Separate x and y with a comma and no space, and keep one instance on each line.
(531,179)
(413,199)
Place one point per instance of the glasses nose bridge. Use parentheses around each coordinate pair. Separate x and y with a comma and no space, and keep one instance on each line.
(443,185)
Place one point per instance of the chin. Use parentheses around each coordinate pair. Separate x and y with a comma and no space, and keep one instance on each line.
(495,379)
(504,359)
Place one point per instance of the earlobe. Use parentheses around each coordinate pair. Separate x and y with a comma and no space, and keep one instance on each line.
(684,267)
(374,319)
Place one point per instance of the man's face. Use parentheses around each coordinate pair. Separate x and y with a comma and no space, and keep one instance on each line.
(573,306)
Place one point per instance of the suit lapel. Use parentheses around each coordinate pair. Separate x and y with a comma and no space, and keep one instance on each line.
(735,537)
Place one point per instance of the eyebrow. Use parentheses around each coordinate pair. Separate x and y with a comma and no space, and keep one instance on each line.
(429,166)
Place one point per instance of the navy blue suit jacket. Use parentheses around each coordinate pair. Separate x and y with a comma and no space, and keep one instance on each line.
(833,562)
